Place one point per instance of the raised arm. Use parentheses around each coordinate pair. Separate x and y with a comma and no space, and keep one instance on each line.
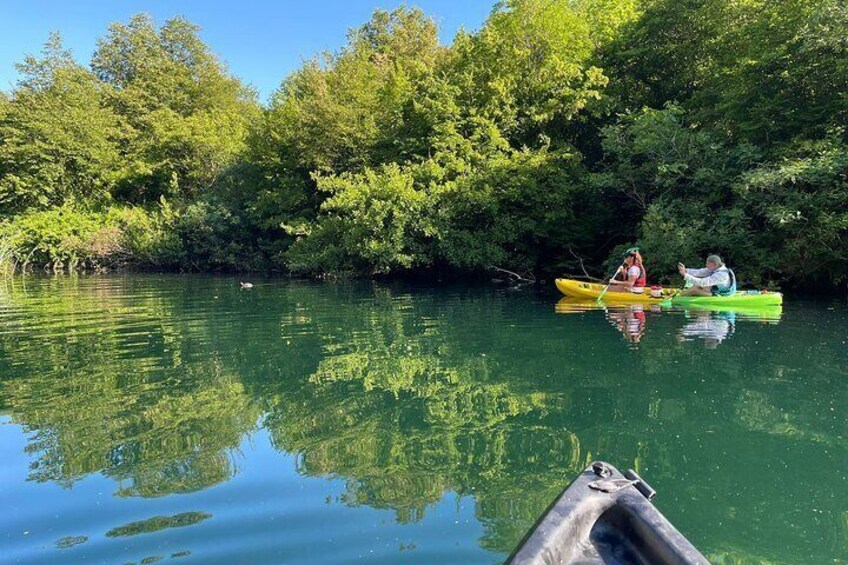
(718,278)
(698,272)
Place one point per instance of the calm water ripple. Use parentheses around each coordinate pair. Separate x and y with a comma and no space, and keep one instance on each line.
(180,419)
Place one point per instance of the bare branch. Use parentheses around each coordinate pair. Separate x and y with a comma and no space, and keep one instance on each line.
(582,266)
(516,277)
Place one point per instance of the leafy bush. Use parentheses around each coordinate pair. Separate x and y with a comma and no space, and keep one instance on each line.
(148,238)
(375,221)
(59,238)
(69,239)
(214,237)
(799,211)
(514,211)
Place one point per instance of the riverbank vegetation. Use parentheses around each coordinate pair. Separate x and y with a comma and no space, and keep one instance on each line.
(551,138)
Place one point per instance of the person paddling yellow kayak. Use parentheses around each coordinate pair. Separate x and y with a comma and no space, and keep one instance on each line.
(631,276)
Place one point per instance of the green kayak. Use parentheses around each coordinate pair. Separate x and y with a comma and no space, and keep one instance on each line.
(746,298)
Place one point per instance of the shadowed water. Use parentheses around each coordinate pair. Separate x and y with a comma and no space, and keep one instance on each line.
(168,419)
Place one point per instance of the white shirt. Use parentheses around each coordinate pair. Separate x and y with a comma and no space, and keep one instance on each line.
(703,277)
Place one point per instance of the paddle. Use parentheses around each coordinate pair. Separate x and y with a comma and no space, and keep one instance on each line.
(667,302)
(626,255)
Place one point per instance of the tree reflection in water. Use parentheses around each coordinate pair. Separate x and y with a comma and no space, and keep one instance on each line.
(403,396)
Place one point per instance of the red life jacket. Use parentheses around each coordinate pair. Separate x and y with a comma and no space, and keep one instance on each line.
(624,275)
(642,281)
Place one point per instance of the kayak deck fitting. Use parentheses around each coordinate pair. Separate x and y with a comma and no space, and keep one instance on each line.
(605,517)
(747,298)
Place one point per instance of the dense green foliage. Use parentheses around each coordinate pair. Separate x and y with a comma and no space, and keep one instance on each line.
(560,130)
(56,141)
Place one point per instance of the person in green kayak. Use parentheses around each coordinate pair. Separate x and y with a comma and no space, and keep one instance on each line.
(631,276)
(713,280)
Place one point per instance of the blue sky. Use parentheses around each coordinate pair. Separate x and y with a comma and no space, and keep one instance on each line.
(262,41)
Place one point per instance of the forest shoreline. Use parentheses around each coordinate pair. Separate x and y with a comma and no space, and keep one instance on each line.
(547,142)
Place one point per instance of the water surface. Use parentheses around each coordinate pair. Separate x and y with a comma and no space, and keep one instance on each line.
(170,419)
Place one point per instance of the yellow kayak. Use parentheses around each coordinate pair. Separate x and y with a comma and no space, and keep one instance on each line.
(591,291)
(747,298)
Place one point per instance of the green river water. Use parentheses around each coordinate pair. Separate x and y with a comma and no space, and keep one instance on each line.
(179,419)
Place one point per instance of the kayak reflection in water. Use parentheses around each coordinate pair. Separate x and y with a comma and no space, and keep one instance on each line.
(630,322)
(712,327)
